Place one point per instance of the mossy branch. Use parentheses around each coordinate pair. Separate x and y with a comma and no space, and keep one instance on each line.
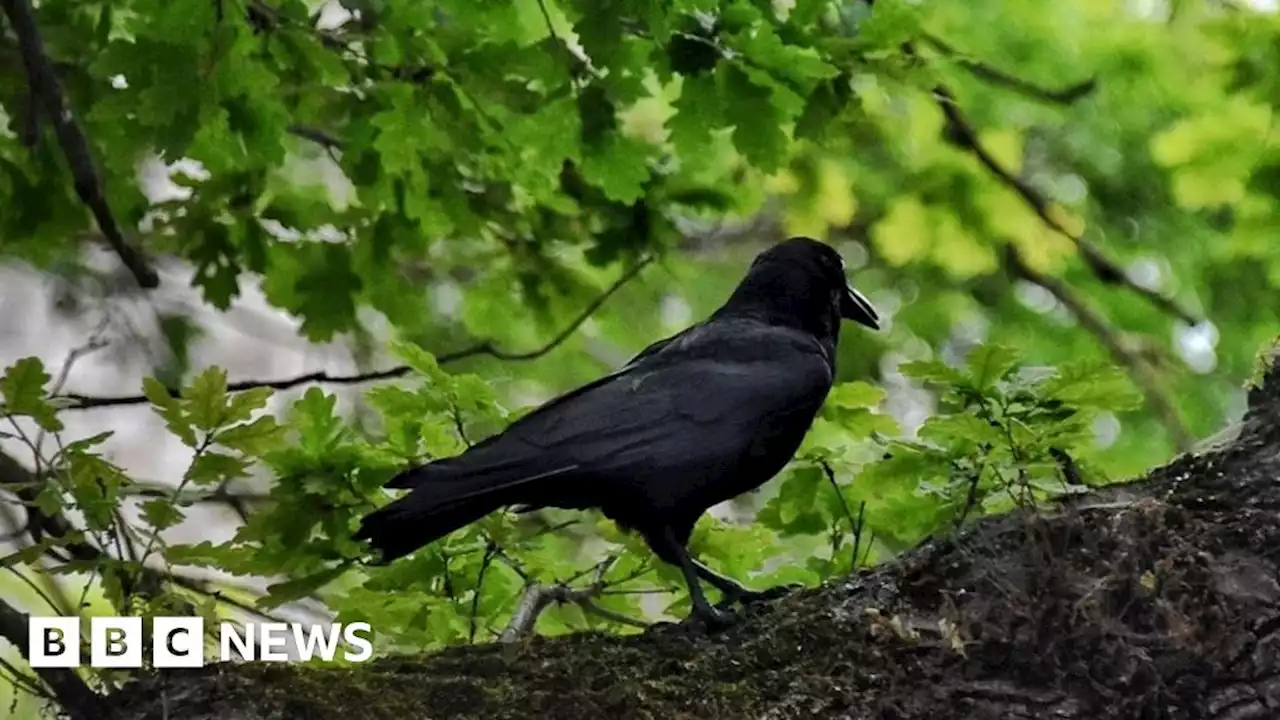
(1155,598)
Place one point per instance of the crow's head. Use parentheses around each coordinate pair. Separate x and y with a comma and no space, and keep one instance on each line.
(804,272)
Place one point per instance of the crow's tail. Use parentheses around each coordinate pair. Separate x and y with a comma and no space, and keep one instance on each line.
(444,499)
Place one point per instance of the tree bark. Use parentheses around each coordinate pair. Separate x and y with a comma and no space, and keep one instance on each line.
(1159,598)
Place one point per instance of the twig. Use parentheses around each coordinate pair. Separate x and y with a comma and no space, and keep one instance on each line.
(94,344)
(204,588)
(219,495)
(536,597)
(484,347)
(962,133)
(458,425)
(857,532)
(546,17)
(589,606)
(25,682)
(79,701)
(1136,366)
(855,527)
(490,549)
(45,86)
(533,601)
(26,485)
(39,591)
(317,136)
(983,71)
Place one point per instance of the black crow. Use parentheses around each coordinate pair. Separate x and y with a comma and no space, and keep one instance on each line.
(691,421)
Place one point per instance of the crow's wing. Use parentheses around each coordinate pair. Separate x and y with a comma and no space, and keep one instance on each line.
(701,399)
(695,405)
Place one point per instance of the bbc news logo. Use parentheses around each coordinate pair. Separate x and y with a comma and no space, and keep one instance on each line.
(178,642)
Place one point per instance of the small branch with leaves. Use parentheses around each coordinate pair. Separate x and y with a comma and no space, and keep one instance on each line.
(538,597)
(987,73)
(47,93)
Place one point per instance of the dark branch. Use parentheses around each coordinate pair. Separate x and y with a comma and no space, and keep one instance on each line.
(46,88)
(962,133)
(317,136)
(76,698)
(983,71)
(484,347)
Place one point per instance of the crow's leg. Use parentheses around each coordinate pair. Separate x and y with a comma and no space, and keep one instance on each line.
(734,590)
(731,588)
(690,568)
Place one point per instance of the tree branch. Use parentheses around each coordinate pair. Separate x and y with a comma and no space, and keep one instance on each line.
(69,689)
(317,136)
(983,71)
(962,133)
(1147,598)
(45,88)
(484,347)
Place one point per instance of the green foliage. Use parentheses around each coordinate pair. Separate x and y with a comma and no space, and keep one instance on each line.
(489,169)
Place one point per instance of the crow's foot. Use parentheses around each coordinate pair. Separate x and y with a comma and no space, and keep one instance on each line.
(714,618)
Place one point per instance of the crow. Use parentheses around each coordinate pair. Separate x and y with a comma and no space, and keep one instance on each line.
(693,420)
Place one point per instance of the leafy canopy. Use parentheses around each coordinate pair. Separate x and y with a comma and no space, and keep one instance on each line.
(1066,211)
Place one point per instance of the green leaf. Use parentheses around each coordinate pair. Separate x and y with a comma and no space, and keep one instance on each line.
(243,404)
(856,394)
(83,444)
(991,363)
(290,590)
(620,168)
(698,112)
(961,430)
(799,65)
(23,390)
(212,468)
(313,416)
(160,513)
(422,362)
(1093,385)
(933,371)
(206,399)
(252,438)
(171,410)
(795,511)
(757,131)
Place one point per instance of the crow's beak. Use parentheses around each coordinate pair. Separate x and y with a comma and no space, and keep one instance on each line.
(854,306)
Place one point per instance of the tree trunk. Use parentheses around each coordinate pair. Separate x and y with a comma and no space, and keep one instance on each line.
(1154,599)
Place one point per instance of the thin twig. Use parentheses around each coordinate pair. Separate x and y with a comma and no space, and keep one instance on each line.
(484,347)
(490,550)
(589,606)
(855,527)
(45,86)
(983,71)
(537,597)
(317,136)
(25,682)
(857,533)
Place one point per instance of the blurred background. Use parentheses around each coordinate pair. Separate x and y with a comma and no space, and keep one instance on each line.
(533,192)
